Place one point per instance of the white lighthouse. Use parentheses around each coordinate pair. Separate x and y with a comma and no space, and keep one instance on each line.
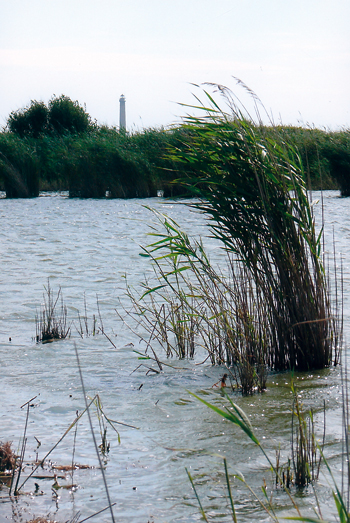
(122,115)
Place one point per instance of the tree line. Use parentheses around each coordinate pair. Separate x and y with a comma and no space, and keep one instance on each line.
(57,146)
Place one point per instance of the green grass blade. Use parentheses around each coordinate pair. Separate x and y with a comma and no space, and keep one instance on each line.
(339,503)
(230,416)
(229,492)
(154,289)
(199,501)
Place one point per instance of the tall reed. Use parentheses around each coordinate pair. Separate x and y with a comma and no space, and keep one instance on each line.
(19,167)
(191,304)
(252,188)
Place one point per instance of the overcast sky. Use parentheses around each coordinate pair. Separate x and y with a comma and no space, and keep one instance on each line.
(294,54)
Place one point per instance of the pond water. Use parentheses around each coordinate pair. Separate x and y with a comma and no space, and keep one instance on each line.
(87,247)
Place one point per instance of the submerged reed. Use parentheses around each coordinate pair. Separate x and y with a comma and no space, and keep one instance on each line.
(299,471)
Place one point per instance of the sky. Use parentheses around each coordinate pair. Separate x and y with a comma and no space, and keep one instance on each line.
(295,55)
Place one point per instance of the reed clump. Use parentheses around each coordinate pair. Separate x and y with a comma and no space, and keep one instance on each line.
(306,451)
(51,324)
(192,305)
(293,476)
(270,306)
(252,187)
(284,472)
(303,468)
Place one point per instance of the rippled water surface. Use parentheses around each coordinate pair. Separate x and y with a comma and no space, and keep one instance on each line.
(87,247)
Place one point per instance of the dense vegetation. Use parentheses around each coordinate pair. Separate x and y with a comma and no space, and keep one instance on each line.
(325,156)
(270,308)
(273,310)
(58,147)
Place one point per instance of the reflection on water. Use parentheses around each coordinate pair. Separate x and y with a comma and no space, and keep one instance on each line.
(87,247)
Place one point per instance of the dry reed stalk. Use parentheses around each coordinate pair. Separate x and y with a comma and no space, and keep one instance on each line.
(110,505)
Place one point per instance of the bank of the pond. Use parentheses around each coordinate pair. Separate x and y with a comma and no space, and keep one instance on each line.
(88,247)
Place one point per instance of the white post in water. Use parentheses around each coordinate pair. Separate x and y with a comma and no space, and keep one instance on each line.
(122,115)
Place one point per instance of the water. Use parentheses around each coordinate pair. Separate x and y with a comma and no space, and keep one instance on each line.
(87,247)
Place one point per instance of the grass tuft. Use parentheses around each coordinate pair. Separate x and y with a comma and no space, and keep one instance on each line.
(52,323)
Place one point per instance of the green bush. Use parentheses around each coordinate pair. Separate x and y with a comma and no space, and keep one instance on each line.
(60,116)
(19,167)
(31,121)
(67,116)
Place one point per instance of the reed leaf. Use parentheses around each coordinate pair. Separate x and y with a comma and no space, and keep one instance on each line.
(229,492)
(238,419)
(198,498)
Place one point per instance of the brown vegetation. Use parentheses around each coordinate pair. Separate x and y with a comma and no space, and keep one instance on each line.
(7,456)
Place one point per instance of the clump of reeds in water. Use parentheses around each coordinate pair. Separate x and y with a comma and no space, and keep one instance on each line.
(306,453)
(192,304)
(252,188)
(83,327)
(303,467)
(51,324)
(273,309)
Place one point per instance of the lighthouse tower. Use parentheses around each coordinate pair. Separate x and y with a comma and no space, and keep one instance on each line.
(122,115)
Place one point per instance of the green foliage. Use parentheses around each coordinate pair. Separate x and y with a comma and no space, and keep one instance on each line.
(60,116)
(66,116)
(252,187)
(337,152)
(100,162)
(154,146)
(31,121)
(19,167)
(76,155)
(59,126)
(325,156)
